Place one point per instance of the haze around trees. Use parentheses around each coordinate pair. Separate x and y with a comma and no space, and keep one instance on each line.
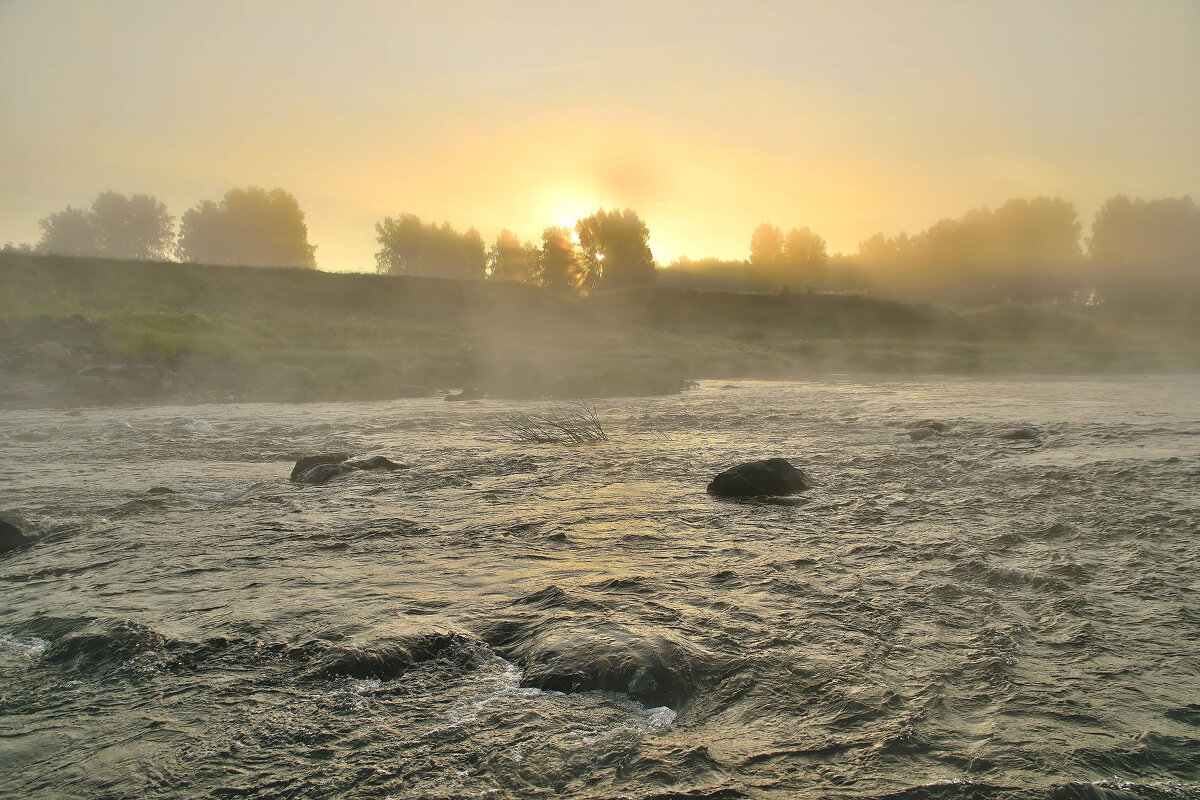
(1143,255)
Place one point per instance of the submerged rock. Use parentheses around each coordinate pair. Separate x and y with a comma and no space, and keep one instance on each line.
(933,424)
(321,468)
(11,536)
(389,658)
(921,434)
(1021,434)
(774,476)
(654,670)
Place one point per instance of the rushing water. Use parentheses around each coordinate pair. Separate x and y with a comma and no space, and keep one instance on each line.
(964,616)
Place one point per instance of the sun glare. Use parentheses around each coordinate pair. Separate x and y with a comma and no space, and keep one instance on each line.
(564,209)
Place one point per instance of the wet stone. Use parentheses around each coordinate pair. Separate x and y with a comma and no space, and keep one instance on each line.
(773,476)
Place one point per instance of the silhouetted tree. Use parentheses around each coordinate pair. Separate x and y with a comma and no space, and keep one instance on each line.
(408,247)
(799,258)
(68,233)
(804,258)
(251,227)
(508,259)
(559,268)
(116,226)
(403,246)
(136,227)
(1146,254)
(614,250)
(766,247)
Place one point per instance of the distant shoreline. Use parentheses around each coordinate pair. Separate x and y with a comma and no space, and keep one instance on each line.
(79,332)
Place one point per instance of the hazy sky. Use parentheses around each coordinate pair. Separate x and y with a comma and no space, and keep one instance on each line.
(706,118)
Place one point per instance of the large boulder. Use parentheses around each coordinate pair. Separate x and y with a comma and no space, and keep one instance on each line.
(308,462)
(319,469)
(774,476)
(11,536)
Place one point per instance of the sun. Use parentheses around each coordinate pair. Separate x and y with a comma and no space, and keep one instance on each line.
(565,208)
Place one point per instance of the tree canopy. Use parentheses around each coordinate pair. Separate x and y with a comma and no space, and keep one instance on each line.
(614,250)
(251,227)
(1025,250)
(766,246)
(408,247)
(1147,253)
(559,267)
(795,259)
(68,233)
(510,259)
(116,226)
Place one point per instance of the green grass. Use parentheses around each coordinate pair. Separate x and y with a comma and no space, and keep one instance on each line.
(303,334)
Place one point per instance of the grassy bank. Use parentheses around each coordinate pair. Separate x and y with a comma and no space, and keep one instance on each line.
(301,334)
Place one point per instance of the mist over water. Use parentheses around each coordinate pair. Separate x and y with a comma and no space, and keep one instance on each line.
(962,616)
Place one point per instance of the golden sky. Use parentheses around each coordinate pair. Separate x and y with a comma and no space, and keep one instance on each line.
(707,118)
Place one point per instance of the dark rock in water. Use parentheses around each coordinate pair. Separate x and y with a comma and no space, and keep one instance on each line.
(319,469)
(654,670)
(1021,434)
(938,427)
(376,462)
(921,434)
(11,537)
(308,462)
(322,473)
(774,476)
(467,394)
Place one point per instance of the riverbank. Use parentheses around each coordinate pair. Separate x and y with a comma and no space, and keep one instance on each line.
(166,332)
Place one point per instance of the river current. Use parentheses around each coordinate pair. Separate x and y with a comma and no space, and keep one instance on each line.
(961,616)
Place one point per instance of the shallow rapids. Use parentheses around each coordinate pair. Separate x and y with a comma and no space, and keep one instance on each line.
(966,615)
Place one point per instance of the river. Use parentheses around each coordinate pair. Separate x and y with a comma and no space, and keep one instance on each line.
(962,616)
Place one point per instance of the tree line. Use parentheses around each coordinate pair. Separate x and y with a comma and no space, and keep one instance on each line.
(254,227)
(250,227)
(606,250)
(1142,255)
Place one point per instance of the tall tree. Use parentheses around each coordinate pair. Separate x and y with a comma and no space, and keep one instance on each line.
(136,227)
(614,250)
(1146,254)
(251,227)
(766,246)
(509,259)
(804,258)
(402,246)
(68,233)
(559,263)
